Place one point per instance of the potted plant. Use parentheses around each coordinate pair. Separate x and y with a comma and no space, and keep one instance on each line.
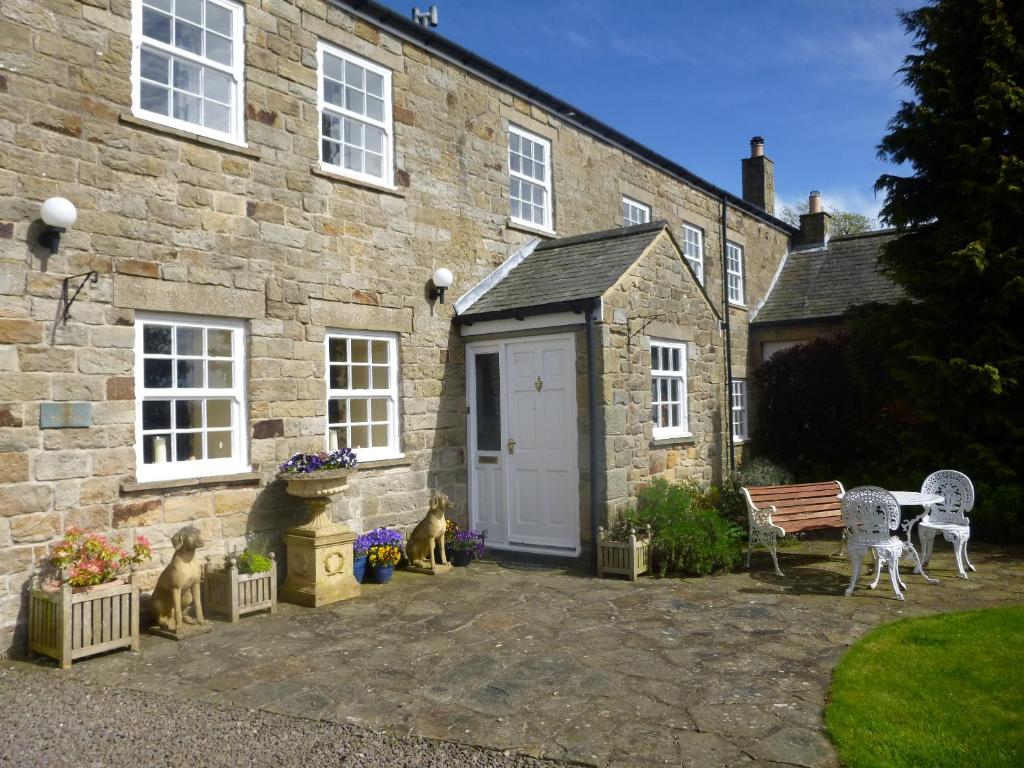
(244,584)
(465,546)
(89,605)
(359,550)
(623,551)
(317,476)
(383,551)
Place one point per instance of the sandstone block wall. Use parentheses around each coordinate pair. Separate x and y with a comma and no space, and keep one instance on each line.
(173,223)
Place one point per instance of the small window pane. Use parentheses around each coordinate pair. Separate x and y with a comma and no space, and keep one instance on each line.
(360,377)
(189,446)
(156,449)
(156,25)
(374,108)
(190,341)
(156,414)
(154,98)
(188,414)
(339,377)
(374,84)
(218,445)
(218,19)
(360,437)
(353,159)
(186,107)
(379,410)
(380,378)
(333,94)
(353,74)
(338,350)
(156,374)
(360,351)
(163,5)
(218,343)
(153,66)
(380,352)
(374,165)
(331,126)
(219,374)
(217,86)
(374,139)
(379,435)
(218,48)
(216,116)
(337,411)
(188,37)
(359,410)
(187,76)
(331,152)
(156,340)
(218,413)
(333,67)
(190,373)
(354,100)
(190,9)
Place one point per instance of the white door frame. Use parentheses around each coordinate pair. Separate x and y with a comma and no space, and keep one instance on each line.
(500,346)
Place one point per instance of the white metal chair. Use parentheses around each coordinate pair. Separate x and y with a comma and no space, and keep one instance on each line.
(870,514)
(948,517)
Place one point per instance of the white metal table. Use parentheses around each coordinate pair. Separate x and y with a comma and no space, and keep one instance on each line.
(915,499)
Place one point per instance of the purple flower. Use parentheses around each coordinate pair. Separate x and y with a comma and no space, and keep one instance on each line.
(378,537)
(468,541)
(311,462)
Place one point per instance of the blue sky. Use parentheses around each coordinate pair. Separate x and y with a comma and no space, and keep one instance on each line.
(695,80)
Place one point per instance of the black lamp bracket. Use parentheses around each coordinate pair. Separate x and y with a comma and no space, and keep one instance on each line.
(64,308)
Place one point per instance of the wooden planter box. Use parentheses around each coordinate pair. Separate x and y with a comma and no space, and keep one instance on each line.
(630,558)
(72,623)
(231,594)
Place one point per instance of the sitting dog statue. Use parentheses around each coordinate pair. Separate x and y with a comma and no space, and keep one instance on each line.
(178,585)
(430,531)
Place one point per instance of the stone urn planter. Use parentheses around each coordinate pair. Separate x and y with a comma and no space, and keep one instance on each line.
(319,551)
(631,557)
(69,623)
(231,594)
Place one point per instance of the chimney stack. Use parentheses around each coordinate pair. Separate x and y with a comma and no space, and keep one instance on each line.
(816,224)
(759,177)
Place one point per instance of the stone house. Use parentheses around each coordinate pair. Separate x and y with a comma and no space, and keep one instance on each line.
(264,190)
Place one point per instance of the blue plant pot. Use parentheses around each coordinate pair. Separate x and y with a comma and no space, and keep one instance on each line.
(359,568)
(380,574)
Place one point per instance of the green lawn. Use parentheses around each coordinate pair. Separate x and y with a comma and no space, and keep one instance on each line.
(937,691)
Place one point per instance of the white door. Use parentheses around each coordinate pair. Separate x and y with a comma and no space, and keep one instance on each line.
(524,478)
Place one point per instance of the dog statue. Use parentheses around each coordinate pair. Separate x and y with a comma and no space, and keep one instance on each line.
(178,585)
(419,549)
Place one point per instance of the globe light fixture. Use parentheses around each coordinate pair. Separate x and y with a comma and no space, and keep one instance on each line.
(442,280)
(58,214)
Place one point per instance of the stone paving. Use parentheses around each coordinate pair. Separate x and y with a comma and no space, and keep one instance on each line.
(718,671)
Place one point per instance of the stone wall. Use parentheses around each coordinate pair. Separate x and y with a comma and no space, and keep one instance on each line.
(176,223)
(658,297)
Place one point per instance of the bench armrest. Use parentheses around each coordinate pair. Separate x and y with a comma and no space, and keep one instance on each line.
(761,518)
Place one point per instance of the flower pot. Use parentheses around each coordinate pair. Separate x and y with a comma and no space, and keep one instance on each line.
(232,594)
(75,622)
(629,558)
(380,574)
(359,568)
(461,558)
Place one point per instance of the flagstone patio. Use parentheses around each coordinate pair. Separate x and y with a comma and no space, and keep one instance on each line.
(716,671)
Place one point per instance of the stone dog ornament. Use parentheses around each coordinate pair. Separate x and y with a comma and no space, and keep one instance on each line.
(419,550)
(178,587)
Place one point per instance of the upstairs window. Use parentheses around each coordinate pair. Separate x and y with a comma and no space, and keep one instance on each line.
(693,250)
(739,409)
(187,66)
(190,409)
(529,171)
(634,212)
(669,410)
(362,394)
(354,100)
(734,273)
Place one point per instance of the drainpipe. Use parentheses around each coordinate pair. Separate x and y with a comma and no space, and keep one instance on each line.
(592,430)
(728,338)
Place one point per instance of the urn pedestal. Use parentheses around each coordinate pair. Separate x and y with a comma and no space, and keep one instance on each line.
(319,552)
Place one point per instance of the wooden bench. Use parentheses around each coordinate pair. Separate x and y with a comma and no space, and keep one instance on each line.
(775,510)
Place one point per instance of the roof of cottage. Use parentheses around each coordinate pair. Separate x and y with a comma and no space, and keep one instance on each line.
(567,270)
(826,283)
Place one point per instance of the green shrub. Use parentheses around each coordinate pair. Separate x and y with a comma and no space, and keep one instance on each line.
(253,562)
(689,536)
(760,471)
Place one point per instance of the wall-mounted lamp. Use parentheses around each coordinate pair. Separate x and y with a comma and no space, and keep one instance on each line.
(442,280)
(58,214)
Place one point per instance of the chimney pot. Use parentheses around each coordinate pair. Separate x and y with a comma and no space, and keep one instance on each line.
(814,202)
(757,146)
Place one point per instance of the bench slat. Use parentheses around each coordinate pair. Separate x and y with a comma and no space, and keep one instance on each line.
(800,507)
(823,493)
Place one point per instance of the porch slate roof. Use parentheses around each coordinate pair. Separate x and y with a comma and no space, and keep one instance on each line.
(568,269)
(826,283)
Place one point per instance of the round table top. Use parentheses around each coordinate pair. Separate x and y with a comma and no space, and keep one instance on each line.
(912,498)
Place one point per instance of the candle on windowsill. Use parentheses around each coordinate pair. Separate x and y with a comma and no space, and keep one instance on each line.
(332,440)
(159,450)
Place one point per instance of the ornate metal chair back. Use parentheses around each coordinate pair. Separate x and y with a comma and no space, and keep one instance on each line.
(870,514)
(957,492)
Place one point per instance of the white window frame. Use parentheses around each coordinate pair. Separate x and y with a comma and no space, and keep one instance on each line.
(629,205)
(693,240)
(393,449)
(178,470)
(549,166)
(739,410)
(386,124)
(657,374)
(734,274)
(236,70)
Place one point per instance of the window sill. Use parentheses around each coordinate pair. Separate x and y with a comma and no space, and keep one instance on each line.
(737,304)
(139,122)
(531,228)
(318,170)
(240,478)
(399,461)
(665,442)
